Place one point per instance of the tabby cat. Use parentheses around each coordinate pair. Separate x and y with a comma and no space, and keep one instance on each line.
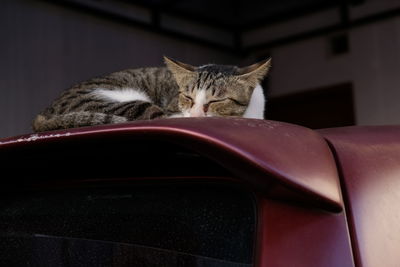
(178,90)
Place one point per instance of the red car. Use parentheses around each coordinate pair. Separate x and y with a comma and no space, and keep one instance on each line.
(201,192)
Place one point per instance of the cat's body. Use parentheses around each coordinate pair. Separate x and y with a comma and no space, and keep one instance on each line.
(180,90)
(132,94)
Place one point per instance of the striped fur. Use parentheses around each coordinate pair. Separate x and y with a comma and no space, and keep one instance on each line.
(148,93)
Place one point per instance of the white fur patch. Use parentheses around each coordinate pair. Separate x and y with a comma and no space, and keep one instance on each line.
(198,108)
(121,95)
(255,109)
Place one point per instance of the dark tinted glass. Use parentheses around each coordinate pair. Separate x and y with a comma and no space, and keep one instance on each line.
(163,225)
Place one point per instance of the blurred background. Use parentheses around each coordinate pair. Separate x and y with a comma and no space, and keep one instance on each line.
(335,62)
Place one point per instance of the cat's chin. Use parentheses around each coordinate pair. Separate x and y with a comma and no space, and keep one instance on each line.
(187,115)
(176,115)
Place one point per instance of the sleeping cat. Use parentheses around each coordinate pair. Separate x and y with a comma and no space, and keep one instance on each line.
(179,90)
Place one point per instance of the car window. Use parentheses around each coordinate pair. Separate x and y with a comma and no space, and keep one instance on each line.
(172,224)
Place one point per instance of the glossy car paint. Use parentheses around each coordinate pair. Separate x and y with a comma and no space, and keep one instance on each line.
(264,154)
(294,235)
(293,171)
(369,162)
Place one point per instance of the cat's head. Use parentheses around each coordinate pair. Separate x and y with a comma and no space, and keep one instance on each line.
(216,90)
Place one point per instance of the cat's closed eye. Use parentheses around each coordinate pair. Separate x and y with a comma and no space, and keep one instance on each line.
(237,102)
(215,101)
(187,97)
(228,100)
(186,100)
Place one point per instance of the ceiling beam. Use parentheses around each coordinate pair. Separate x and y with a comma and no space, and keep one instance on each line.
(289,15)
(153,26)
(190,16)
(325,30)
(237,48)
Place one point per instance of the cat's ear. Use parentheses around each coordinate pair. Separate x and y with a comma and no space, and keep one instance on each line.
(255,73)
(181,71)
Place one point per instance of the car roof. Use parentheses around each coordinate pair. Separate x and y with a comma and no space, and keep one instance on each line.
(368,158)
(279,159)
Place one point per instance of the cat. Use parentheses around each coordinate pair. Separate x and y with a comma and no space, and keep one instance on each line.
(177,90)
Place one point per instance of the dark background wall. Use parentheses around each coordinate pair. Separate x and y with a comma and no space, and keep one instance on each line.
(47,46)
